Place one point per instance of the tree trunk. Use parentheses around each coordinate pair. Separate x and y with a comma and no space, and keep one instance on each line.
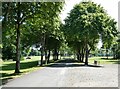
(79,56)
(55,55)
(48,56)
(107,53)
(86,55)
(82,55)
(42,53)
(17,67)
(42,48)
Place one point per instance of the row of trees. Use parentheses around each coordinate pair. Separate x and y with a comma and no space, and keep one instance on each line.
(25,24)
(38,23)
(86,24)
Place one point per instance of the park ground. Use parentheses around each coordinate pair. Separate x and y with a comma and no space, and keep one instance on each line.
(64,73)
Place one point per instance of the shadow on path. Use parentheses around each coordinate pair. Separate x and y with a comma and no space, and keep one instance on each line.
(67,62)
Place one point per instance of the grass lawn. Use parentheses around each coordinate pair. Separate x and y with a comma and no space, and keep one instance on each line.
(104,60)
(27,66)
(30,65)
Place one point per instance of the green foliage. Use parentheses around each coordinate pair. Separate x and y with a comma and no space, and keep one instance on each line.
(109,33)
(82,23)
(44,24)
(30,21)
(86,23)
(116,48)
(8,52)
(36,18)
(27,66)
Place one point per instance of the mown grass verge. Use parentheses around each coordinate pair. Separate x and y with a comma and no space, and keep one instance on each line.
(31,65)
(26,66)
(104,60)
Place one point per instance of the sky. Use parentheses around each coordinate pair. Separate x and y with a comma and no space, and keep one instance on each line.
(111,6)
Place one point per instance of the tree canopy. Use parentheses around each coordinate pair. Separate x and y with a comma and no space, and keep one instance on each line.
(28,20)
(85,24)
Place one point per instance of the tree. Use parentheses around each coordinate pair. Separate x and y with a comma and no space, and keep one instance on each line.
(16,14)
(116,48)
(85,24)
(46,24)
(109,34)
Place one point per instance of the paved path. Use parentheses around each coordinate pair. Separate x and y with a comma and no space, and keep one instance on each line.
(69,75)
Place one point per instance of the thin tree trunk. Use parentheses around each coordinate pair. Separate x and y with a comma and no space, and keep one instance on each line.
(55,55)
(48,56)
(107,53)
(42,49)
(79,56)
(86,55)
(17,67)
(41,57)
(82,55)
(45,48)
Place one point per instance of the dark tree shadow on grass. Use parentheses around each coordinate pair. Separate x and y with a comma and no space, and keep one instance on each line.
(11,66)
(25,65)
(109,59)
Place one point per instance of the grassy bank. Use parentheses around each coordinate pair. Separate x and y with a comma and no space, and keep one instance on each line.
(27,66)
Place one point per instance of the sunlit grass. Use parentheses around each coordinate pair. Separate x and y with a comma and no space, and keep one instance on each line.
(27,66)
(104,60)
(30,65)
